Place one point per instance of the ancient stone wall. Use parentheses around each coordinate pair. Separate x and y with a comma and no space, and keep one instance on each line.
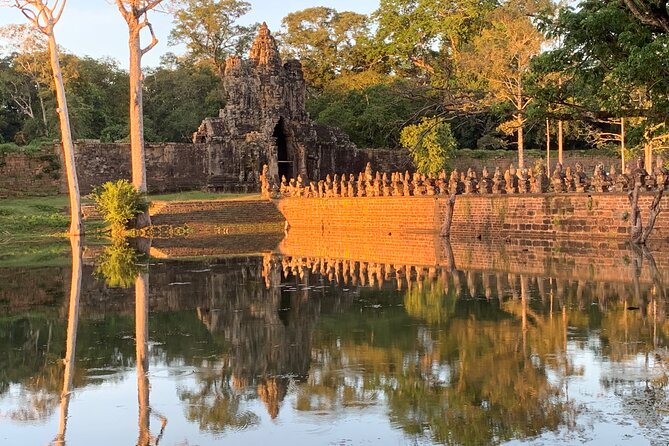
(170,167)
(29,174)
(571,216)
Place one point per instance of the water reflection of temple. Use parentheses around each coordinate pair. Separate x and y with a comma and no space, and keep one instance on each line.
(341,331)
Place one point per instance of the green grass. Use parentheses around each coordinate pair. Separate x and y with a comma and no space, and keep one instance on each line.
(40,218)
(33,217)
(30,148)
(200,195)
(45,252)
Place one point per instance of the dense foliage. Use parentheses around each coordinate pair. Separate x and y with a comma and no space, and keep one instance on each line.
(430,143)
(119,202)
(495,70)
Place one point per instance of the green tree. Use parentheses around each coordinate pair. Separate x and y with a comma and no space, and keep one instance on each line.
(610,60)
(327,42)
(119,202)
(372,116)
(210,33)
(29,84)
(431,144)
(424,37)
(498,60)
(177,99)
(98,93)
(17,96)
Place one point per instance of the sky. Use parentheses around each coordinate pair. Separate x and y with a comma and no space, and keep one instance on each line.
(95,27)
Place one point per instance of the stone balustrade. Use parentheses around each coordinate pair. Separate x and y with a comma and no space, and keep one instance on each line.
(512,181)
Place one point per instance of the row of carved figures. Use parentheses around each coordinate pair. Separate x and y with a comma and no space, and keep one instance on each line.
(354,273)
(512,181)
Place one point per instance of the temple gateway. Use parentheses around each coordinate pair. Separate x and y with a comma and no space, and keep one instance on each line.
(265,122)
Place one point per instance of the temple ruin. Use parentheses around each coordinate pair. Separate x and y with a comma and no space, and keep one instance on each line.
(265,122)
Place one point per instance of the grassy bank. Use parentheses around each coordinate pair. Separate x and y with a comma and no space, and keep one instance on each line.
(30,218)
(32,230)
(36,218)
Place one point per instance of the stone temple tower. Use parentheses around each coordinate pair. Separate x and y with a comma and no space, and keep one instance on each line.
(264,122)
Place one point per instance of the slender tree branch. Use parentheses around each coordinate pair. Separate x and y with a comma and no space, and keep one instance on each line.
(154,39)
(148,7)
(56,17)
(124,12)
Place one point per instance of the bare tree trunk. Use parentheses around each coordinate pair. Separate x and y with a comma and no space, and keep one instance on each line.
(521,158)
(137,123)
(560,142)
(635,215)
(45,122)
(639,235)
(71,344)
(448,217)
(66,137)
(548,148)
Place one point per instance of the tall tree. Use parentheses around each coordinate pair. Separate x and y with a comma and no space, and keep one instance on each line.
(612,66)
(209,30)
(177,99)
(499,59)
(44,18)
(424,37)
(135,14)
(31,64)
(327,42)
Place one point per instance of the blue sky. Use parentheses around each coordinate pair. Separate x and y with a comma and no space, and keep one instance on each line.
(95,27)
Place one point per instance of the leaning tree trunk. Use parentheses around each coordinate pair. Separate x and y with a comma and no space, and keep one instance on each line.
(653,212)
(137,119)
(638,234)
(448,217)
(66,137)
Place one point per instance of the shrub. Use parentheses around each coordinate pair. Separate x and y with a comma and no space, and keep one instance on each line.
(118,203)
(431,144)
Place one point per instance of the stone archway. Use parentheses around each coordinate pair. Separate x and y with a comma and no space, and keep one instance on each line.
(285,154)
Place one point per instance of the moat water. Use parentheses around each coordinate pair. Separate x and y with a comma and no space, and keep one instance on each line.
(259,350)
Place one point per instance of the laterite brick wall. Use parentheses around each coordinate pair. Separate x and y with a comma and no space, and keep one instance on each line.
(222,217)
(575,216)
(29,175)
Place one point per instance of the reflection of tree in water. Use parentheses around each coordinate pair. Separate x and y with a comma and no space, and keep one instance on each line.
(643,394)
(465,378)
(216,405)
(118,265)
(462,357)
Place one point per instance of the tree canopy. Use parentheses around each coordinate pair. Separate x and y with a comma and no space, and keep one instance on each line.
(495,70)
